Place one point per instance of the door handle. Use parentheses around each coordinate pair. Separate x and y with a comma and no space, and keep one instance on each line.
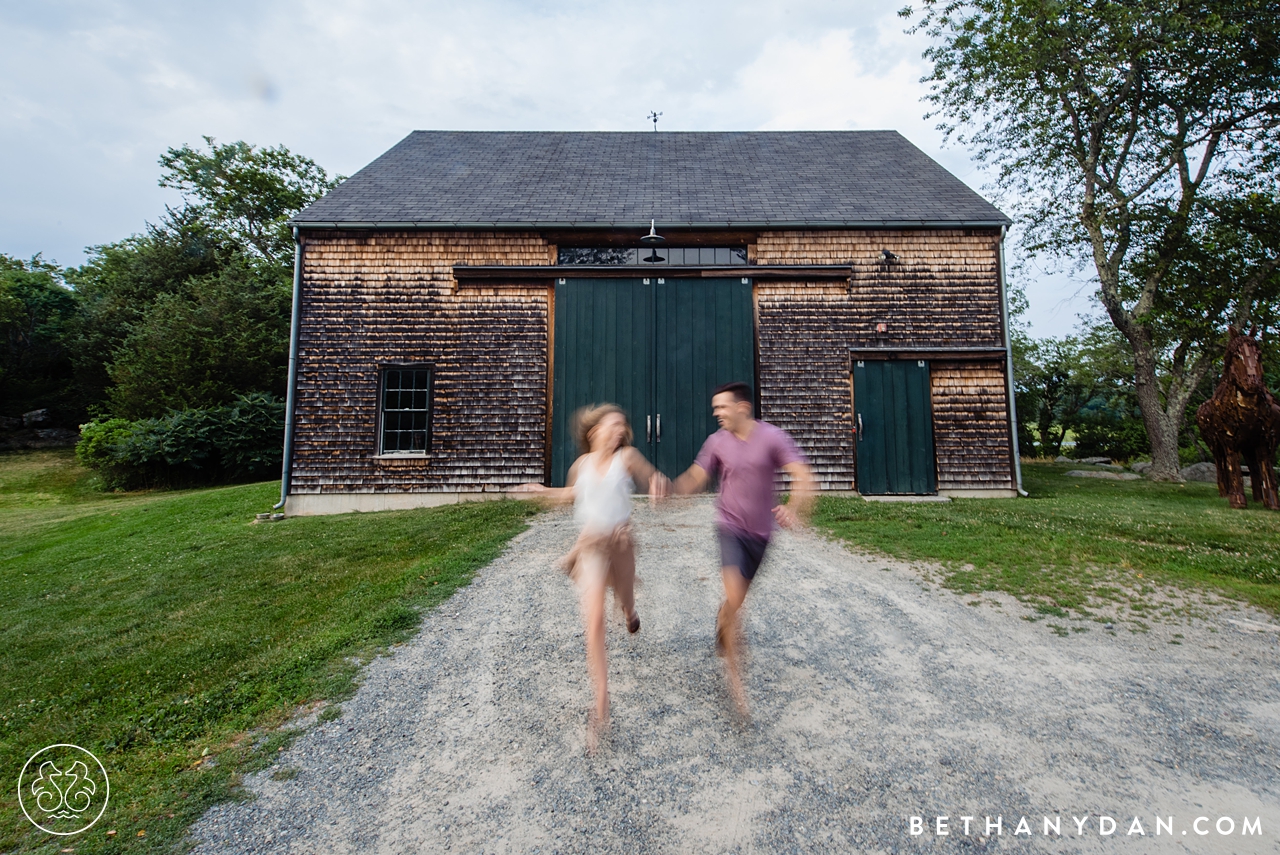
(648,428)
(659,427)
(859,427)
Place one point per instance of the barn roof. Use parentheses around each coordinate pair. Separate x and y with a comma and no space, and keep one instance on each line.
(468,179)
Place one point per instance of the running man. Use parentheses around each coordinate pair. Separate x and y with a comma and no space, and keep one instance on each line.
(745,454)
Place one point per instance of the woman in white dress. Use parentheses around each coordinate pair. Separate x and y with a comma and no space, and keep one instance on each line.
(600,484)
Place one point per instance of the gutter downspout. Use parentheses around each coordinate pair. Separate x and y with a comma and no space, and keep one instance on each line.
(1008,349)
(290,395)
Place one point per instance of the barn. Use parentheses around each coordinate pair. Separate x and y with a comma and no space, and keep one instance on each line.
(458,298)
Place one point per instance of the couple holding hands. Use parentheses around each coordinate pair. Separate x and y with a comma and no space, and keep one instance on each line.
(745,454)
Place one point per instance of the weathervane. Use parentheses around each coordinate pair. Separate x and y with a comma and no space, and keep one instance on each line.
(653,117)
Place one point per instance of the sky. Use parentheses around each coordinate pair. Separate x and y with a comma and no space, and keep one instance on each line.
(92,93)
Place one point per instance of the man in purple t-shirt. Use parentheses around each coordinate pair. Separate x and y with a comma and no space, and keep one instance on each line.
(745,454)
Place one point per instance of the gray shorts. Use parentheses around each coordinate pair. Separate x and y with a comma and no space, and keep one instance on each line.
(742,551)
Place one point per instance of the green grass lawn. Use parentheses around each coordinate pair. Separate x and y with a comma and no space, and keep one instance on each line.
(170,636)
(1079,543)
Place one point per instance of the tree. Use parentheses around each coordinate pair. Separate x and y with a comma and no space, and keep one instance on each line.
(1082,385)
(195,310)
(247,192)
(37,314)
(222,335)
(1101,410)
(121,281)
(1048,371)
(1129,136)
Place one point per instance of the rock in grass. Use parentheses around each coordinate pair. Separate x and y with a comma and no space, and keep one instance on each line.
(1200,472)
(1093,461)
(1141,466)
(1110,476)
(1062,458)
(1208,473)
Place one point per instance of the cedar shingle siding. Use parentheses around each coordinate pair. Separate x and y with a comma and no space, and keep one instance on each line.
(943,290)
(385,298)
(375,294)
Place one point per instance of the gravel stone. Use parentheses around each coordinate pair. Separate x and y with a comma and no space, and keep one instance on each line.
(875,697)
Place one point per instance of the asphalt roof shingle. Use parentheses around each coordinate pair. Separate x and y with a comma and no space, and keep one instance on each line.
(729,179)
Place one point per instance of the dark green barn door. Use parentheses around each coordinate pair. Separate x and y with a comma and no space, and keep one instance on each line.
(655,349)
(893,418)
(705,337)
(603,352)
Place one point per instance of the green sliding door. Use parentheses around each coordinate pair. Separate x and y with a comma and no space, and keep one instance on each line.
(705,337)
(893,420)
(657,350)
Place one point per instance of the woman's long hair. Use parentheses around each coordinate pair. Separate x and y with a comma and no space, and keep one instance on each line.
(586,419)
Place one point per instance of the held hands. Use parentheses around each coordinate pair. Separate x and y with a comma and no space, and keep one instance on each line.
(659,487)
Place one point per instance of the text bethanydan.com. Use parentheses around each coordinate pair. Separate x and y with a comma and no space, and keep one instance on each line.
(1081,826)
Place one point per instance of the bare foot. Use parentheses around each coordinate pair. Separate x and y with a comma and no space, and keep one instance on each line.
(737,690)
(597,730)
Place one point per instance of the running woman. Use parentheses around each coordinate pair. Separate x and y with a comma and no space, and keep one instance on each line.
(600,484)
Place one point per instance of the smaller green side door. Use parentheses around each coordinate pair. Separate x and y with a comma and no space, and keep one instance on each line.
(893,423)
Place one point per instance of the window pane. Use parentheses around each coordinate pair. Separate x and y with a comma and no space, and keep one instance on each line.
(406,406)
(621,256)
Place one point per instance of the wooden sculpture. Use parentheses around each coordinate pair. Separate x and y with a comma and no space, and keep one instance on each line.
(1242,419)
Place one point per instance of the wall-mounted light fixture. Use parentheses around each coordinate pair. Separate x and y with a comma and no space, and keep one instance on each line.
(888,255)
(653,238)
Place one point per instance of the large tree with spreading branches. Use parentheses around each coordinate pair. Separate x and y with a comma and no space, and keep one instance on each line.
(1141,139)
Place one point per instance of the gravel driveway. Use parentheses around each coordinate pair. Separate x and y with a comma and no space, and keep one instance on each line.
(876,697)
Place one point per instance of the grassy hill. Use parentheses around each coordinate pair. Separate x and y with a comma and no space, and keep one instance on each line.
(170,635)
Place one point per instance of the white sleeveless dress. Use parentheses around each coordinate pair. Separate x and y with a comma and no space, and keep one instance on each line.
(602,502)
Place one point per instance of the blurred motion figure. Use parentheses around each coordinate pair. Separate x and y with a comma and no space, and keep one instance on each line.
(745,454)
(600,484)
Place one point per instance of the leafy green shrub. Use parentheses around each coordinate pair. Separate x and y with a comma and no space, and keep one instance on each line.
(100,448)
(1120,439)
(238,442)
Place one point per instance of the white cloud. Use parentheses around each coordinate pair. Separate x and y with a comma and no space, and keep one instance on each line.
(827,85)
(92,92)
